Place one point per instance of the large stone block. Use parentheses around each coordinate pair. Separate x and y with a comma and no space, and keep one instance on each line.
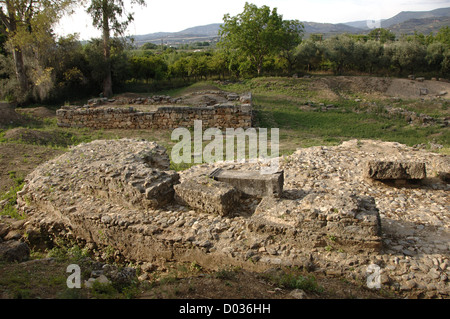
(208,195)
(252,183)
(381,170)
(322,219)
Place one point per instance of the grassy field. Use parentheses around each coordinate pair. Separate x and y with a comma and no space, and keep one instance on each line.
(304,120)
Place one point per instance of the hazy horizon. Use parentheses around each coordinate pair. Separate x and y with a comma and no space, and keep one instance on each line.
(175,16)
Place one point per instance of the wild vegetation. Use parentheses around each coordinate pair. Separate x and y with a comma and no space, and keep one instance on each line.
(39,67)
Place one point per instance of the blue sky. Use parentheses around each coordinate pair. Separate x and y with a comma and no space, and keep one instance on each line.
(173,16)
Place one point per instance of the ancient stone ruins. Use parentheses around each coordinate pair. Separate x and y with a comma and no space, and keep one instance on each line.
(160,112)
(336,210)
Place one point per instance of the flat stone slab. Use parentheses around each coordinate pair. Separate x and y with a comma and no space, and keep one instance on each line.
(319,219)
(252,183)
(383,170)
(208,195)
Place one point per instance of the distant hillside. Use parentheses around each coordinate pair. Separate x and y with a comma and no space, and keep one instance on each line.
(408,15)
(425,26)
(200,33)
(211,30)
(403,17)
(329,28)
(210,33)
(403,23)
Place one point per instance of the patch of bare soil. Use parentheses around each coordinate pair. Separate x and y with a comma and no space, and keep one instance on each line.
(243,284)
(207,99)
(8,116)
(36,137)
(357,85)
(411,89)
(37,112)
(334,87)
(21,159)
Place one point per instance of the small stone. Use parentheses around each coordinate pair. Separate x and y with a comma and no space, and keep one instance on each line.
(298,294)
(408,285)
(102,279)
(408,252)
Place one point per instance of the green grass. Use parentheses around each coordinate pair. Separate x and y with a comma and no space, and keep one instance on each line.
(278,103)
(292,279)
(9,209)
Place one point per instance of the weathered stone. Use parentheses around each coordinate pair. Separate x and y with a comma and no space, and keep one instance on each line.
(252,183)
(14,251)
(208,196)
(351,221)
(246,98)
(326,219)
(383,170)
(168,117)
(423,91)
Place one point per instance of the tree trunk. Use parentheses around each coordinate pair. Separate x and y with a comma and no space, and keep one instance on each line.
(107,82)
(10,25)
(20,70)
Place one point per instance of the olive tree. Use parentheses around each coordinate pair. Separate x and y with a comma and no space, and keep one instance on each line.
(257,33)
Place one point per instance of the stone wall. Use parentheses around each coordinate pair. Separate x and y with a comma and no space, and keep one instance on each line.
(165,117)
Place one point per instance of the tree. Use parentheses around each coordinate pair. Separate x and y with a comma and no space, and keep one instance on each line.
(25,22)
(290,38)
(106,15)
(407,56)
(308,55)
(443,35)
(257,33)
(340,50)
(382,35)
(435,55)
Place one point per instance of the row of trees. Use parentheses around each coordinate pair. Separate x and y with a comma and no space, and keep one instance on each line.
(26,27)
(376,53)
(36,65)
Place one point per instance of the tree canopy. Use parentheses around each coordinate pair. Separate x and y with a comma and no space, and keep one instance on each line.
(106,15)
(259,32)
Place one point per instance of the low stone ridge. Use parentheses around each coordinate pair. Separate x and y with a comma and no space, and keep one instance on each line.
(330,218)
(128,172)
(252,183)
(208,195)
(113,114)
(382,170)
(352,222)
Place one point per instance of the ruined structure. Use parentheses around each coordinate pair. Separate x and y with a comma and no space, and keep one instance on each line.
(329,216)
(124,114)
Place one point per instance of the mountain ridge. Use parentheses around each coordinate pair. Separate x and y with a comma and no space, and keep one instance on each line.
(405,22)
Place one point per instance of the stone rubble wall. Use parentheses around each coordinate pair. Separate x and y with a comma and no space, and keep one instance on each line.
(331,218)
(99,115)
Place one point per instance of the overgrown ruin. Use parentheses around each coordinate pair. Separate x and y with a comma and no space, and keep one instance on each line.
(328,215)
(221,110)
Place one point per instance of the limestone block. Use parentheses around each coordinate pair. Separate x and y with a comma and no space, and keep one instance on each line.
(346,220)
(208,196)
(252,183)
(381,170)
